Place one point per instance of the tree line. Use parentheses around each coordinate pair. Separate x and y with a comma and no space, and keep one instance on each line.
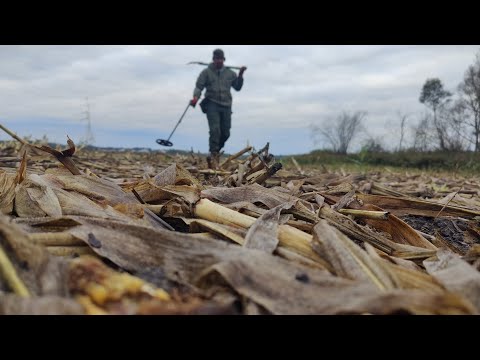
(451,122)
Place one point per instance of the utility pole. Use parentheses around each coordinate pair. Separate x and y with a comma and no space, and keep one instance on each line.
(89,138)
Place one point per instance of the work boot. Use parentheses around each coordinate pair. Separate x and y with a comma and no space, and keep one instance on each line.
(212,160)
(217,160)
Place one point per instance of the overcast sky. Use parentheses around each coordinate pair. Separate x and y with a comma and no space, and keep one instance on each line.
(137,93)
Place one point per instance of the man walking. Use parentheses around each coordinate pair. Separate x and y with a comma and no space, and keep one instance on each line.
(217,104)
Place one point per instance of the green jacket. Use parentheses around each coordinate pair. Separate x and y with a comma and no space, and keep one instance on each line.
(218,83)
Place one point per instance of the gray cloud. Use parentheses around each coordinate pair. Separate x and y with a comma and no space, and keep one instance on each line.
(142,90)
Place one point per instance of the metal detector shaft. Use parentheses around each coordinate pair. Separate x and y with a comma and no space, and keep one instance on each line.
(167,142)
(179,121)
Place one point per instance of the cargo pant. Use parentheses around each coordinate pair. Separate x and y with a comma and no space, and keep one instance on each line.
(219,121)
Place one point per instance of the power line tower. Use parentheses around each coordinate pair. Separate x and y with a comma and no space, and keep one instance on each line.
(89,138)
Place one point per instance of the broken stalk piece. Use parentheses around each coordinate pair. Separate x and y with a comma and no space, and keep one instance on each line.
(288,236)
(13,135)
(377,215)
(265,174)
(10,275)
(236,155)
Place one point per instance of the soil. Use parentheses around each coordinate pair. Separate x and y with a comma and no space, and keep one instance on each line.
(452,230)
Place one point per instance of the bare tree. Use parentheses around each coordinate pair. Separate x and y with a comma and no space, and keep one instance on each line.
(451,119)
(403,121)
(470,90)
(422,138)
(340,133)
(434,96)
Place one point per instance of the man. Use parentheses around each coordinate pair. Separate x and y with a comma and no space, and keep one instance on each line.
(217,104)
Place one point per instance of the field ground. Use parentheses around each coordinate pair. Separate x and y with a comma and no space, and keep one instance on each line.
(122,232)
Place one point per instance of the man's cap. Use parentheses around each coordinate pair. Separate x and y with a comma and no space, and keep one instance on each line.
(218,53)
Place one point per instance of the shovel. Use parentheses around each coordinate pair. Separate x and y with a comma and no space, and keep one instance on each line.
(205,64)
(167,142)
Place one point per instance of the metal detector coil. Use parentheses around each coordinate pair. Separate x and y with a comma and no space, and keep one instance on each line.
(167,142)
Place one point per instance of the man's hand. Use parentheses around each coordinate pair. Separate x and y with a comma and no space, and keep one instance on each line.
(242,70)
(194,101)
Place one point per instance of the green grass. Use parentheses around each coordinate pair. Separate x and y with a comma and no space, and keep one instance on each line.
(465,163)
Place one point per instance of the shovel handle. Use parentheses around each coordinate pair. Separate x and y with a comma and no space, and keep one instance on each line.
(205,64)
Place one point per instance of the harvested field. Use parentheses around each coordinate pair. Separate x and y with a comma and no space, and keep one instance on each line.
(98,232)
